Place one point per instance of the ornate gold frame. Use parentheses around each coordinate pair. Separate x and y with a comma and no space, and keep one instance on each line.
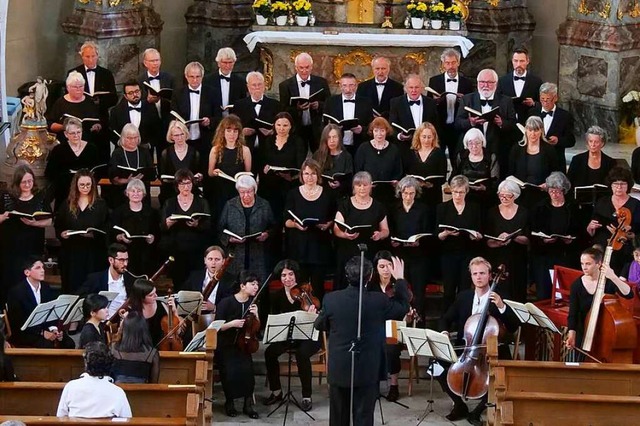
(603,13)
(355,57)
(266,57)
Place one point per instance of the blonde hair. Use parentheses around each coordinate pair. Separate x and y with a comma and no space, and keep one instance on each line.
(415,143)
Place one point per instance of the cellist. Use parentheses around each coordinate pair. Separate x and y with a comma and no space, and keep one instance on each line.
(214,260)
(467,303)
(236,366)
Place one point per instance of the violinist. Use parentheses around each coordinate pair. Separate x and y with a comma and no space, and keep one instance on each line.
(142,298)
(135,358)
(289,299)
(236,366)
(583,289)
(467,303)
(95,312)
(214,258)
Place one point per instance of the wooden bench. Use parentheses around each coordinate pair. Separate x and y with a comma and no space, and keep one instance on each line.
(135,421)
(146,400)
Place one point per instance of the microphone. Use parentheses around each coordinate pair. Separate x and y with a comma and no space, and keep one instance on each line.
(362,247)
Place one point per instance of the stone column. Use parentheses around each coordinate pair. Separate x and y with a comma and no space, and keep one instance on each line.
(599,61)
(496,27)
(122,29)
(212,24)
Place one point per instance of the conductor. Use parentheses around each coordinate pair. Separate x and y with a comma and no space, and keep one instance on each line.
(339,317)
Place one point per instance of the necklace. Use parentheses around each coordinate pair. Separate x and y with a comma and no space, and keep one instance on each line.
(76,149)
(184,203)
(310,193)
(379,148)
(361,203)
(126,158)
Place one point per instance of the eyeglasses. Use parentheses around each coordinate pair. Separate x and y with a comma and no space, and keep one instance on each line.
(619,184)
(505,196)
(133,92)
(84,185)
(121,259)
(75,133)
(486,82)
(458,192)
(555,191)
(309,174)
(185,183)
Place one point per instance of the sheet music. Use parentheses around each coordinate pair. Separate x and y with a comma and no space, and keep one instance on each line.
(441,346)
(416,341)
(199,339)
(277,327)
(50,311)
(430,343)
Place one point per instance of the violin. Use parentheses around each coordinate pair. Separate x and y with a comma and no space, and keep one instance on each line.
(247,337)
(469,376)
(169,324)
(412,316)
(304,294)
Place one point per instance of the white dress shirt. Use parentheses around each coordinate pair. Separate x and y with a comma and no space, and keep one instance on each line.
(116,286)
(486,108)
(416,111)
(93,397)
(155,83)
(207,278)
(548,119)
(91,80)
(135,116)
(348,111)
(194,102)
(380,88)
(451,86)
(36,291)
(480,302)
(518,85)
(225,88)
(305,91)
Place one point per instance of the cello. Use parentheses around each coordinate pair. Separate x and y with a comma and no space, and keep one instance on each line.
(617,334)
(469,376)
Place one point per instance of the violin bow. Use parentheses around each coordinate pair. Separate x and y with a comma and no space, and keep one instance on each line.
(264,284)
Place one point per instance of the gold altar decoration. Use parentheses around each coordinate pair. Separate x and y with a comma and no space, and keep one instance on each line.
(604,12)
(30,150)
(266,57)
(355,57)
(418,57)
(633,9)
(112,3)
(360,11)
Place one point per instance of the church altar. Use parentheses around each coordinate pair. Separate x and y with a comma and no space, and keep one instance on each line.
(337,49)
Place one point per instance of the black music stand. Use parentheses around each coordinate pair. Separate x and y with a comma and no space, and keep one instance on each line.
(55,310)
(289,327)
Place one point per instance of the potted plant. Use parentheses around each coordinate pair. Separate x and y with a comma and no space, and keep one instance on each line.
(454,16)
(417,12)
(302,11)
(280,11)
(437,14)
(262,9)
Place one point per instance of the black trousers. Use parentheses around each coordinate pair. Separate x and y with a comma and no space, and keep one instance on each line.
(364,404)
(392,353)
(303,350)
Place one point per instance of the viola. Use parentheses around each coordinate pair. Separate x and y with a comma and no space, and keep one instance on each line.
(412,316)
(304,294)
(469,376)
(247,337)
(170,324)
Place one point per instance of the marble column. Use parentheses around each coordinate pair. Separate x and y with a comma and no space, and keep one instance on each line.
(212,24)
(496,27)
(122,29)
(599,61)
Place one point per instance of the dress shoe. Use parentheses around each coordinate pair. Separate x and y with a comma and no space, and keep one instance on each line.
(458,412)
(306,404)
(393,394)
(248,409)
(272,399)
(474,415)
(229,409)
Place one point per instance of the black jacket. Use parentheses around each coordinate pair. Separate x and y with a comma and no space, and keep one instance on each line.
(363,112)
(225,285)
(437,83)
(531,90)
(562,127)
(369,89)
(150,125)
(210,102)
(400,112)
(99,281)
(237,86)
(20,303)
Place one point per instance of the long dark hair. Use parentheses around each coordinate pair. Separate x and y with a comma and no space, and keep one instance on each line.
(374,284)
(322,155)
(137,292)
(18,174)
(135,334)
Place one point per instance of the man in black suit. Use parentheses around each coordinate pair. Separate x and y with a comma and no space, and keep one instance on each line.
(307,116)
(232,86)
(137,111)
(256,105)
(467,303)
(499,132)
(380,89)
(339,317)
(214,258)
(520,85)
(98,79)
(412,109)
(349,105)
(113,279)
(196,101)
(23,299)
(558,122)
(456,85)
(158,80)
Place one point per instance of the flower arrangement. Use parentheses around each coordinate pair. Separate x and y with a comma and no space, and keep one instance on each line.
(302,7)
(262,7)
(417,10)
(437,11)
(631,107)
(280,8)
(454,13)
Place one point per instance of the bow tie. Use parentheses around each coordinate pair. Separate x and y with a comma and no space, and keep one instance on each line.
(93,70)
(516,78)
(222,77)
(353,101)
(455,80)
(485,102)
(381,84)
(197,92)
(305,82)
(414,102)
(154,78)
(543,114)
(139,109)
(257,103)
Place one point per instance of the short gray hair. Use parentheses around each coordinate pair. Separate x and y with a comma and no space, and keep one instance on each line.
(74,77)
(597,131)
(449,52)
(510,187)
(381,58)
(192,65)
(254,74)
(148,51)
(362,177)
(246,182)
(460,181)
(558,180)
(412,76)
(408,182)
(490,71)
(88,45)
(549,88)
(70,121)
(128,129)
(301,56)
(473,134)
(136,184)
(226,53)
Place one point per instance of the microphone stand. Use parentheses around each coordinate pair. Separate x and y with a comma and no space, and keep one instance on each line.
(355,345)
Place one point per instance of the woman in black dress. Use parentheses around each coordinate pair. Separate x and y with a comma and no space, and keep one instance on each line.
(424,159)
(282,302)
(135,358)
(230,156)
(358,210)
(309,243)
(503,220)
(95,311)
(381,159)
(128,161)
(236,366)
(457,247)
(480,167)
(177,156)
(531,161)
(410,217)
(555,215)
(83,253)
(184,239)
(604,215)
(141,221)
(143,299)
(21,237)
(67,158)
(335,162)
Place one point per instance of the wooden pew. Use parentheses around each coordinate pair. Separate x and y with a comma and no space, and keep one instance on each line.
(146,400)
(135,421)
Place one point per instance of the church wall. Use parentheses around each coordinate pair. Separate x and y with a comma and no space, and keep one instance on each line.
(173,39)
(548,14)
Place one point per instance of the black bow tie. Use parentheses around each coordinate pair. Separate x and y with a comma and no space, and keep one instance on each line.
(543,114)
(139,109)
(381,84)
(222,77)
(516,78)
(304,83)
(353,101)
(414,102)
(257,103)
(485,102)
(197,92)
(154,78)
(90,70)
(455,80)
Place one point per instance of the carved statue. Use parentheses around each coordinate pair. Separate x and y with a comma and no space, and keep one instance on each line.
(41,92)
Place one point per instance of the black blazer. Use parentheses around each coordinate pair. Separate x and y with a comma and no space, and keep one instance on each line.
(531,90)
(99,281)
(339,317)
(400,112)
(225,285)
(104,82)
(289,88)
(437,83)
(166,81)
(369,90)
(150,124)
(210,101)
(237,86)
(244,109)
(20,303)
(561,127)
(363,112)
(578,172)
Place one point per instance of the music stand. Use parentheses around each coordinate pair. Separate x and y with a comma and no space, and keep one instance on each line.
(55,310)
(429,343)
(200,338)
(289,327)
